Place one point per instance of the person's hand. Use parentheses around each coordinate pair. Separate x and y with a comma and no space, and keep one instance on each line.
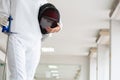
(4,21)
(53,30)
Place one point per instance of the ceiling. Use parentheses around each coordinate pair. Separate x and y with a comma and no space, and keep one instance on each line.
(81,23)
(82,20)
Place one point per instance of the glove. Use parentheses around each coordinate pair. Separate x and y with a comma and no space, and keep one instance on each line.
(4,21)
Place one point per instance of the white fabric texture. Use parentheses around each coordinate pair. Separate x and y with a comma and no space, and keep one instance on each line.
(24,47)
(23,58)
(3,21)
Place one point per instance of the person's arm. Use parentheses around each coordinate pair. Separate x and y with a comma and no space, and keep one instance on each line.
(53,30)
(4,11)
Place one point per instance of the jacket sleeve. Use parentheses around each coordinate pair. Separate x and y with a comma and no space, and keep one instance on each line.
(4,7)
(4,11)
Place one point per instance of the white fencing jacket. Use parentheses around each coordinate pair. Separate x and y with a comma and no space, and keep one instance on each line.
(25,16)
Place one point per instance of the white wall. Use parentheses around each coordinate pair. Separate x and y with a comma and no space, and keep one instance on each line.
(84,75)
(115,50)
(83,61)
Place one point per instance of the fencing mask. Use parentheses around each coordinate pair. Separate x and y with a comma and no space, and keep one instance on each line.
(48,16)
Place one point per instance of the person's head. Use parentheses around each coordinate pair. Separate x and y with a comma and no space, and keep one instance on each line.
(48,16)
(49,11)
(51,14)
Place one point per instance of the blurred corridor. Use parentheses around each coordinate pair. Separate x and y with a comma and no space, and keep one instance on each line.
(82,50)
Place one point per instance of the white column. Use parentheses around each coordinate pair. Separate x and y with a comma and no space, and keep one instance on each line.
(115,50)
(103,62)
(92,68)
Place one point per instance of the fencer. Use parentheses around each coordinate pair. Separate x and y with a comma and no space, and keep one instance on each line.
(24,46)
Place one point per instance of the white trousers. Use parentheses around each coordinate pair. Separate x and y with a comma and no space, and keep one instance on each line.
(23,57)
